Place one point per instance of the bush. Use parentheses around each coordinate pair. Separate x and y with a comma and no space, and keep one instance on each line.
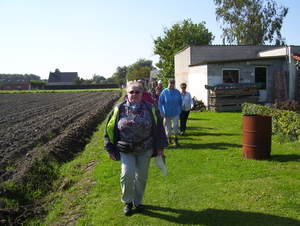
(285,123)
(290,105)
(37,85)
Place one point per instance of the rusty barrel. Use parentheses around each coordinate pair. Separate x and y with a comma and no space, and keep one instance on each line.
(257,131)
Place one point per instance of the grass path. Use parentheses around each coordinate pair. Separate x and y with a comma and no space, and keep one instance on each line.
(209,183)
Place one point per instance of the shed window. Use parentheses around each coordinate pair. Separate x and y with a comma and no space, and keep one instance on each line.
(19,87)
(261,76)
(230,76)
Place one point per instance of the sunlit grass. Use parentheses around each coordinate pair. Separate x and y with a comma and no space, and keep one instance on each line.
(208,182)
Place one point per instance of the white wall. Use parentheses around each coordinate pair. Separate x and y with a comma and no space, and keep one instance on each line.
(182,60)
(197,79)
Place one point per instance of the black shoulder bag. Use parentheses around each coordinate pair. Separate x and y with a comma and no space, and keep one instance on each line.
(127,147)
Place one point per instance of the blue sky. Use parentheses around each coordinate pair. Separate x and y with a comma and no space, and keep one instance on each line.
(96,36)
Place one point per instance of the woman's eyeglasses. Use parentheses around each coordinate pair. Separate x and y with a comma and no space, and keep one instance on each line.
(136,92)
(183,87)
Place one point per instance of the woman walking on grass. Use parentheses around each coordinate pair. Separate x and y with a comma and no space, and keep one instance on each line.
(187,105)
(134,133)
(170,104)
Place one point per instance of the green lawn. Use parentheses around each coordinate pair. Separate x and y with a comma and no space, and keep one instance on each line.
(208,182)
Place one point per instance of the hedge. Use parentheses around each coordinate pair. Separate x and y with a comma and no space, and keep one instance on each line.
(285,123)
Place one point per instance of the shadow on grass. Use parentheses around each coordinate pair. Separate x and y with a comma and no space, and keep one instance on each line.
(217,217)
(214,146)
(199,128)
(285,158)
(199,119)
(208,134)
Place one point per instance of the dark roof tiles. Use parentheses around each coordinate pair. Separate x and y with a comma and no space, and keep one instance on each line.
(62,76)
(15,81)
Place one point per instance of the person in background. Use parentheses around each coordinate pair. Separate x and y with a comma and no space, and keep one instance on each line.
(156,100)
(170,105)
(136,122)
(146,95)
(159,84)
(152,92)
(187,105)
(141,81)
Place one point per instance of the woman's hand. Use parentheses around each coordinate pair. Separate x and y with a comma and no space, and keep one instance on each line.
(160,152)
(112,156)
(162,115)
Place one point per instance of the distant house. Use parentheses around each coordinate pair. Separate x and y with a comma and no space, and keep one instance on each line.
(276,67)
(61,78)
(16,84)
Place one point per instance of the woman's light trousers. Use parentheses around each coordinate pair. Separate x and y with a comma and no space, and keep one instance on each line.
(169,126)
(134,176)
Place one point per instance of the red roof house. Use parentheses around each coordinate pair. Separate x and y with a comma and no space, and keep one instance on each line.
(16,84)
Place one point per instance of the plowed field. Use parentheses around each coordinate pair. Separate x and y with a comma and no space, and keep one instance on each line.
(37,128)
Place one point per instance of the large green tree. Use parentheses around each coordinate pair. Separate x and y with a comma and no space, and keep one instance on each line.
(139,70)
(179,36)
(98,78)
(250,22)
(120,75)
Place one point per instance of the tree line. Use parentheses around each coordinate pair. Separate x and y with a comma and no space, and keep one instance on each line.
(139,70)
(20,76)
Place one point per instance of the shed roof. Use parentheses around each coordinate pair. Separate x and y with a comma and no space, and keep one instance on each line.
(236,59)
(15,81)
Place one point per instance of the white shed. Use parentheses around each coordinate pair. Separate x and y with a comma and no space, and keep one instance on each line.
(273,66)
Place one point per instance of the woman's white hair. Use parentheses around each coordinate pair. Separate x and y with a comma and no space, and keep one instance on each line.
(132,84)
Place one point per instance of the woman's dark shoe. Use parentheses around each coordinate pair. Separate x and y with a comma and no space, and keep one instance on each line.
(139,208)
(176,144)
(128,208)
(169,140)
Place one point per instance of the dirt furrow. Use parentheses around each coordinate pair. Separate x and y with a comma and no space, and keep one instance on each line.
(44,128)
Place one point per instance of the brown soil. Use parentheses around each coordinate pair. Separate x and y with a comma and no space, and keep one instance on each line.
(37,129)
